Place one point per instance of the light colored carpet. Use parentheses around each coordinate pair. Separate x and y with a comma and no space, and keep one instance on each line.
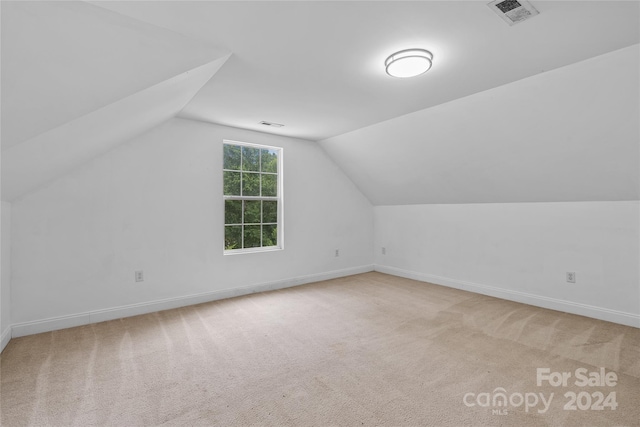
(369,349)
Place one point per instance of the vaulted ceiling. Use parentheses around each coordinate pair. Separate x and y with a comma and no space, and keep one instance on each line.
(317,66)
(79,78)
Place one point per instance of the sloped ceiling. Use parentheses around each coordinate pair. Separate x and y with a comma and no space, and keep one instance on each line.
(317,66)
(32,163)
(78,80)
(572,134)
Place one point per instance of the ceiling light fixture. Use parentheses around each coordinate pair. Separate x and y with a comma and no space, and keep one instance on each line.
(408,63)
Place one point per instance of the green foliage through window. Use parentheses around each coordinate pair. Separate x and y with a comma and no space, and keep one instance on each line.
(250,181)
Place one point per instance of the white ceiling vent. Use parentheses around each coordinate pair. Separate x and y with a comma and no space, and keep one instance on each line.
(513,11)
(274,125)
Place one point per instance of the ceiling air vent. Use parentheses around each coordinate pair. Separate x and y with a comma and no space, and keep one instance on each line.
(273,125)
(513,11)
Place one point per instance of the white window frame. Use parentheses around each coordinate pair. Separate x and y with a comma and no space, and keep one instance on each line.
(279,198)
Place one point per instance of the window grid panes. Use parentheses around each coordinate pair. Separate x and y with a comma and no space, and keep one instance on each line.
(251,196)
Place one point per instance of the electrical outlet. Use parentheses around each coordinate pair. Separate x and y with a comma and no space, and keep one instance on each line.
(571,277)
(139,276)
(337,252)
(384,250)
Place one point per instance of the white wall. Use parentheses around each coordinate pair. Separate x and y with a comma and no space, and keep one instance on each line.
(5,274)
(155,204)
(521,251)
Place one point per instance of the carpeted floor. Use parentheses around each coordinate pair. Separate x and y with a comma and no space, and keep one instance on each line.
(369,349)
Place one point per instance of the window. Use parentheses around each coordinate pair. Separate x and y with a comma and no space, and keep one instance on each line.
(252,181)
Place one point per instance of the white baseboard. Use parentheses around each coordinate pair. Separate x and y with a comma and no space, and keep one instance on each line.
(609,315)
(63,322)
(5,337)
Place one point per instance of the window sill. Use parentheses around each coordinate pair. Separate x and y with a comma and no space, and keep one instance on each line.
(252,250)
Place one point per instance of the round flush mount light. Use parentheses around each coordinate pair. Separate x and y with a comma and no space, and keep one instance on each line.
(408,63)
